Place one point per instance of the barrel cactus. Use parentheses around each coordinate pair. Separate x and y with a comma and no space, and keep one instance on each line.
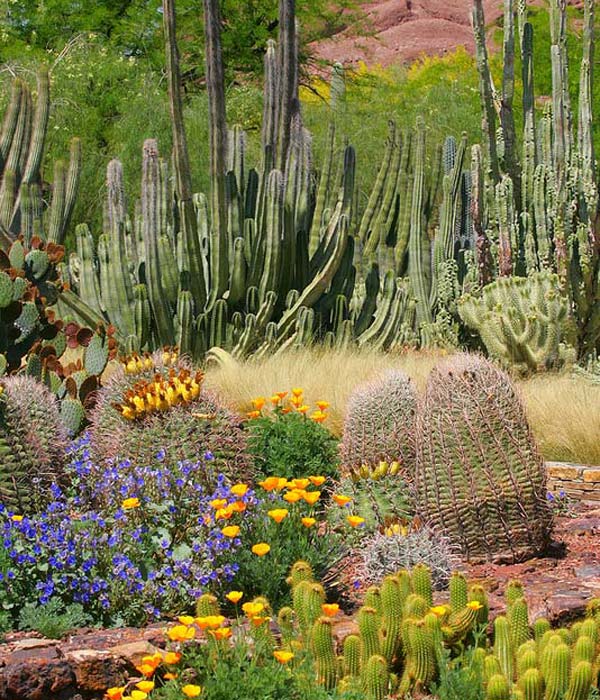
(380,424)
(479,475)
(32,442)
(155,405)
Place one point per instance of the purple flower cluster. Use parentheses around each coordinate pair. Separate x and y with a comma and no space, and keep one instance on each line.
(128,542)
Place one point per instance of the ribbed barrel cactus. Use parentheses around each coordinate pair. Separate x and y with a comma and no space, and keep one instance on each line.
(155,404)
(479,475)
(380,423)
(32,442)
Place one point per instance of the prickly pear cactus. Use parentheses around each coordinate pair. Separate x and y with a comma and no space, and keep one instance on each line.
(155,404)
(32,443)
(479,475)
(379,424)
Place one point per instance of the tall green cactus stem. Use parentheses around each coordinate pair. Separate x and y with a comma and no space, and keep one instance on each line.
(376,678)
(351,652)
(207,604)
(466,489)
(420,665)
(581,682)
(503,649)
(368,626)
(32,443)
(540,627)
(498,688)
(458,591)
(421,582)
(391,603)
(324,652)
(518,622)
(300,571)
(477,594)
(557,672)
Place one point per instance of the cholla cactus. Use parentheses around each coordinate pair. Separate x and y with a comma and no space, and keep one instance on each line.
(380,424)
(32,442)
(479,475)
(155,404)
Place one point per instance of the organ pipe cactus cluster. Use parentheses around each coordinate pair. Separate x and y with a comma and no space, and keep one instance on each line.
(22,140)
(479,475)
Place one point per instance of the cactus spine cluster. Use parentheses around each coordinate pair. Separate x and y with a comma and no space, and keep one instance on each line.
(479,475)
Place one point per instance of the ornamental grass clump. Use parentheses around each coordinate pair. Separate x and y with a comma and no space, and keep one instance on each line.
(156,402)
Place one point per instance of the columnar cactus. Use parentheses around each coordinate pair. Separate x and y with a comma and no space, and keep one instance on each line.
(32,442)
(479,475)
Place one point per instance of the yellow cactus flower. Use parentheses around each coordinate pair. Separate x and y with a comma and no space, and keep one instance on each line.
(311,497)
(474,605)
(130,503)
(308,522)
(261,549)
(278,514)
(438,610)
(340,499)
(330,609)
(283,656)
(355,520)
(191,691)
(231,531)
(234,596)
(317,480)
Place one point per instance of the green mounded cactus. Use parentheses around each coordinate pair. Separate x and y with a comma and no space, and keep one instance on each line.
(518,622)
(376,678)
(368,626)
(32,443)
(459,591)
(468,489)
(324,652)
(498,688)
(182,429)
(379,424)
(351,652)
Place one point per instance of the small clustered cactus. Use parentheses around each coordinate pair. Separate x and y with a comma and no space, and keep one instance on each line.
(155,404)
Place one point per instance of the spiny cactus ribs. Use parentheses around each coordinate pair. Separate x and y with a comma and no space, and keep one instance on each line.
(479,475)
(183,429)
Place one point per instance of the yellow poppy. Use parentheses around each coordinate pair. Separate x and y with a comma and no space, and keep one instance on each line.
(212,622)
(318,416)
(308,522)
(218,503)
(129,503)
(278,514)
(303,409)
(170,676)
(311,497)
(221,633)
(181,633)
(239,490)
(115,693)
(145,686)
(298,483)
(234,596)
(16,518)
(253,414)
(231,531)
(253,609)
(355,520)
(273,483)
(259,402)
(191,691)
(283,656)
(340,499)
(317,480)
(323,405)
(172,657)
(257,620)
(292,496)
(138,695)
(275,399)
(297,392)
(261,549)
(186,619)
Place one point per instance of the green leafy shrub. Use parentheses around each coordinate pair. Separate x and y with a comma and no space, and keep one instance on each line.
(290,443)
(53,620)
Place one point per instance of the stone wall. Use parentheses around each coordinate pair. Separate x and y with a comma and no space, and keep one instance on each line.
(578,481)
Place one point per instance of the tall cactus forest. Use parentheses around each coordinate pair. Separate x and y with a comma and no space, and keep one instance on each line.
(299,350)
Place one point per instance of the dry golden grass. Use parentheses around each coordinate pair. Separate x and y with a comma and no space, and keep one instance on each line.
(564,410)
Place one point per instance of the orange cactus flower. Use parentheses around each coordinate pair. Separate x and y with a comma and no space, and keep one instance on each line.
(278,514)
(253,609)
(297,392)
(186,619)
(221,633)
(181,633)
(259,402)
(231,531)
(317,480)
(303,409)
(283,656)
(292,496)
(130,503)
(253,414)
(308,522)
(318,416)
(340,499)
(261,549)
(323,405)
(239,490)
(234,596)
(355,520)
(191,691)
(330,609)
(218,503)
(171,658)
(311,497)
(115,693)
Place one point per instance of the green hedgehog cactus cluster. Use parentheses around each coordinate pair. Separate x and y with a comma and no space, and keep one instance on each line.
(22,139)
(32,443)
(155,404)
(379,425)
(479,476)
